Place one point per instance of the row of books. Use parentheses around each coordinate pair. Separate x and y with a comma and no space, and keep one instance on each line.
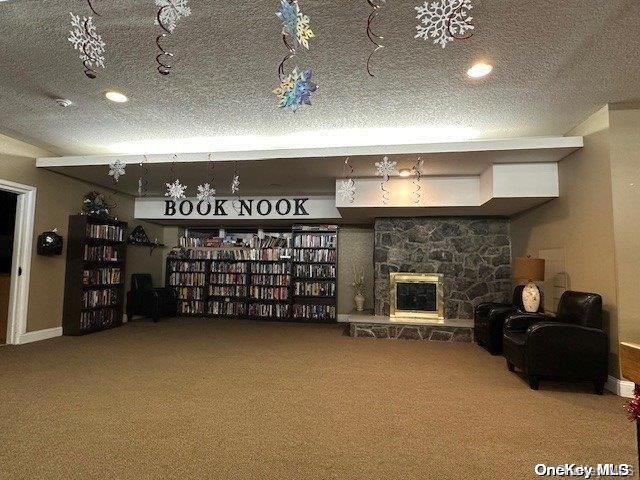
(315,241)
(212,242)
(228,278)
(269,293)
(178,266)
(105,232)
(101,276)
(187,279)
(228,291)
(191,307)
(98,319)
(190,293)
(272,280)
(230,309)
(270,254)
(226,267)
(314,256)
(99,298)
(309,270)
(314,289)
(272,310)
(314,312)
(283,268)
(101,253)
(270,242)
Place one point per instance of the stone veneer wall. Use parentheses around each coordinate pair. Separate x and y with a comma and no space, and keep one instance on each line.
(474,254)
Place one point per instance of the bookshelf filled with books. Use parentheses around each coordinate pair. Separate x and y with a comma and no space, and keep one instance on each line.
(256,275)
(95,274)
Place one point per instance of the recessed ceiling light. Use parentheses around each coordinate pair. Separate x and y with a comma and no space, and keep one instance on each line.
(116,97)
(405,173)
(480,70)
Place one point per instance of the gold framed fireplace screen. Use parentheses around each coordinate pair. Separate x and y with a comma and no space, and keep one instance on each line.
(416,295)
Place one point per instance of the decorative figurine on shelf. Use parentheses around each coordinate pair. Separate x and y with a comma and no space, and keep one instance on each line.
(50,243)
(358,288)
(95,204)
(138,235)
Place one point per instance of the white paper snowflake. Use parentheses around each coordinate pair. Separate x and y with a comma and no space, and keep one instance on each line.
(206,193)
(116,169)
(172,11)
(442,18)
(84,38)
(235,184)
(347,190)
(386,167)
(175,190)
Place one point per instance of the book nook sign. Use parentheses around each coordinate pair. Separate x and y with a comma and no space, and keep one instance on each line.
(233,208)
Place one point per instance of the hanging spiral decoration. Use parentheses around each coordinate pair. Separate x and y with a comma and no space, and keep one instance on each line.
(417,176)
(351,182)
(143,182)
(373,37)
(385,192)
(235,188)
(212,168)
(89,71)
(450,18)
(164,68)
(92,9)
(290,55)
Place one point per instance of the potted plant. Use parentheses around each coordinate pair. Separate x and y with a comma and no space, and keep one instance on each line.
(358,288)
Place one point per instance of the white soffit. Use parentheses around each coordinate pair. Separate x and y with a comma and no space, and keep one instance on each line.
(551,148)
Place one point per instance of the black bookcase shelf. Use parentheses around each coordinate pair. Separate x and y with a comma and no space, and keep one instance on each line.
(316,309)
(85,236)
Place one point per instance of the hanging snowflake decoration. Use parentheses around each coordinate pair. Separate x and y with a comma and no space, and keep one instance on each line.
(84,38)
(235,184)
(444,20)
(347,190)
(294,23)
(386,167)
(116,169)
(206,193)
(171,11)
(175,190)
(296,89)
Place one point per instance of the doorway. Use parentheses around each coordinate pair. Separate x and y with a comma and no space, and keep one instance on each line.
(16,240)
(9,202)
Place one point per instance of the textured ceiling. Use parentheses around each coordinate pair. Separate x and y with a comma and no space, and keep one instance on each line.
(556,63)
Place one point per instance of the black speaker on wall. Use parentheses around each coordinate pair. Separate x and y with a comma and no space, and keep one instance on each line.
(50,243)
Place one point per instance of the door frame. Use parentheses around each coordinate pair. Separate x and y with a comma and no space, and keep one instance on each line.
(22,250)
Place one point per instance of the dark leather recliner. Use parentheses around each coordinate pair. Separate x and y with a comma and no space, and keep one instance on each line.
(149,301)
(488,321)
(571,346)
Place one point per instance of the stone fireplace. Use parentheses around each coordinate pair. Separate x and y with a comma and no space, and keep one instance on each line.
(472,255)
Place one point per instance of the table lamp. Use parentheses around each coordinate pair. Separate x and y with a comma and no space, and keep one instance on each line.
(530,270)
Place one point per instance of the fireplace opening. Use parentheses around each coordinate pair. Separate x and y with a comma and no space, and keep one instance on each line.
(416,295)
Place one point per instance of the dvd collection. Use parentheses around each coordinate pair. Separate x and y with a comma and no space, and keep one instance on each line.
(310,270)
(273,310)
(228,278)
(228,309)
(328,256)
(191,307)
(187,279)
(101,276)
(315,241)
(314,312)
(283,268)
(227,291)
(177,266)
(314,289)
(100,298)
(271,280)
(190,293)
(269,293)
(105,232)
(97,319)
(102,253)
(226,267)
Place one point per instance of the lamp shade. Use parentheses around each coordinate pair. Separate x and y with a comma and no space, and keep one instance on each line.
(529,269)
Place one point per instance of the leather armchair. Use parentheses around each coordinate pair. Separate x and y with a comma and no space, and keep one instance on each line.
(572,346)
(488,321)
(149,301)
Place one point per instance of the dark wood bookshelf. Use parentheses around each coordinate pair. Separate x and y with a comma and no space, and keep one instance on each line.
(78,319)
(247,300)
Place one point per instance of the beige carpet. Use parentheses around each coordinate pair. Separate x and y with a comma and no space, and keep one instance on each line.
(241,400)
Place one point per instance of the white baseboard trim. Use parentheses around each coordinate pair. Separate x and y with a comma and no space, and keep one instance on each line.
(40,335)
(622,388)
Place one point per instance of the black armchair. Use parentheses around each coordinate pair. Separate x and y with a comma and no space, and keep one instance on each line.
(488,321)
(149,301)
(571,346)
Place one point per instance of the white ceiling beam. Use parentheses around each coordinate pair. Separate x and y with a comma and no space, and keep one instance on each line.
(565,145)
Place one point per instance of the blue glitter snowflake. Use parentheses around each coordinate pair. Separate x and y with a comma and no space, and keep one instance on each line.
(294,23)
(296,89)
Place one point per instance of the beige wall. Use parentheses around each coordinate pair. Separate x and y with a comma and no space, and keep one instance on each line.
(580,221)
(625,181)
(355,248)
(58,197)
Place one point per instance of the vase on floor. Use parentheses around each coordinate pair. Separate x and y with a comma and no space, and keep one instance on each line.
(359,300)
